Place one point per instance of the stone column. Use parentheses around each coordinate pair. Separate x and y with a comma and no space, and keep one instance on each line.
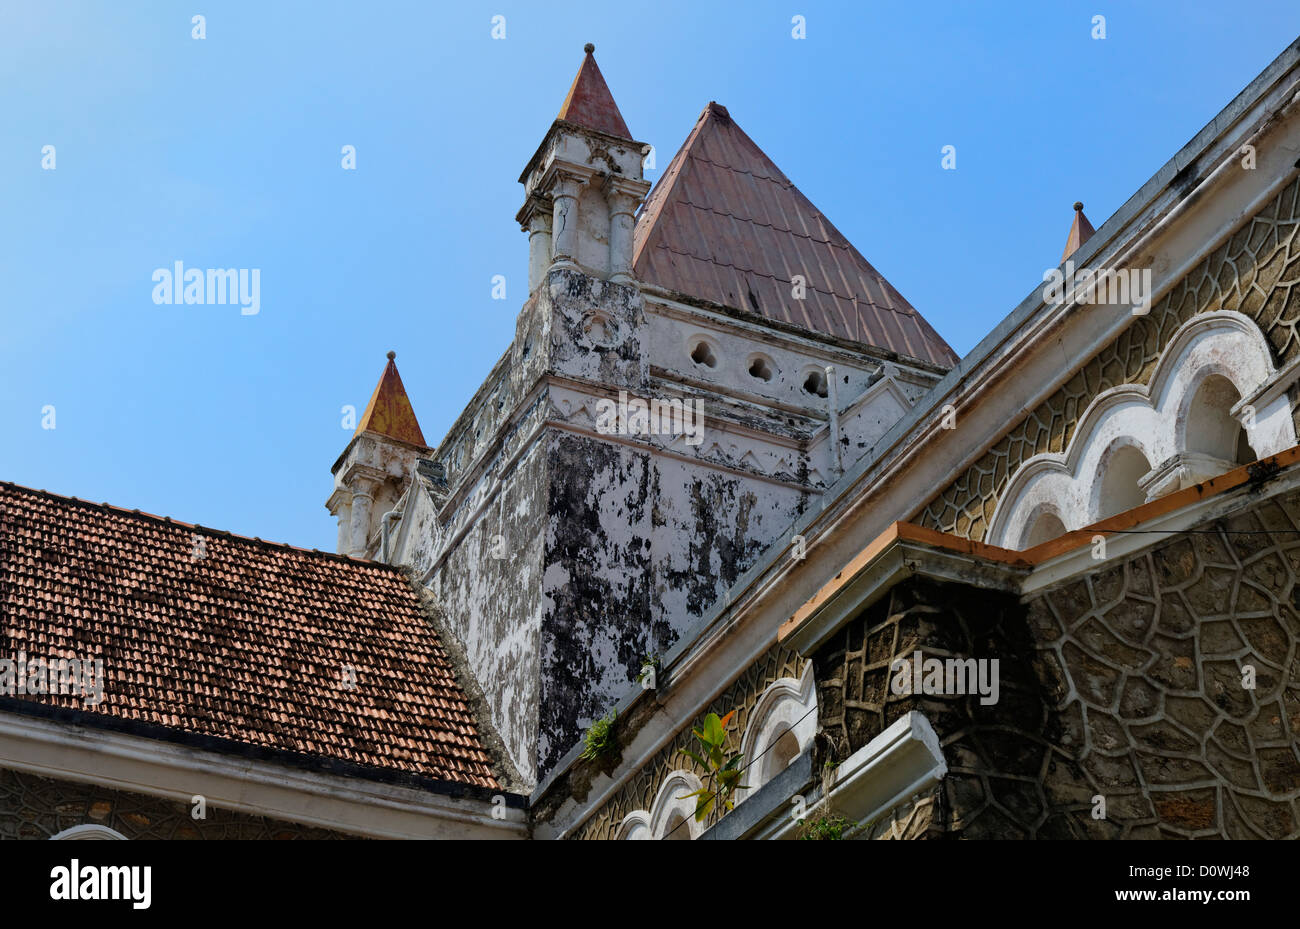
(539,248)
(564,224)
(622,213)
(344,515)
(340,506)
(363,498)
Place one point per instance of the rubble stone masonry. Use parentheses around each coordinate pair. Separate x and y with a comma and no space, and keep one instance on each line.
(1125,684)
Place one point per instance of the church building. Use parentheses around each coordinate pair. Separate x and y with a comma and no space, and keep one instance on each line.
(729,543)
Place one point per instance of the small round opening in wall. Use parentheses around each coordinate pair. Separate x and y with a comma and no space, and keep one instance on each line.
(702,354)
(815,383)
(761,368)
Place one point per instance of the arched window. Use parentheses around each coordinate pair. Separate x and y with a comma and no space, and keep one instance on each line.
(635,827)
(1211,429)
(1045,527)
(779,757)
(1180,421)
(672,815)
(781,725)
(1120,489)
(677,828)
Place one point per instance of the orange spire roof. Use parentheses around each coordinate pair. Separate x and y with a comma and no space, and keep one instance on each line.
(1080,231)
(389,411)
(590,104)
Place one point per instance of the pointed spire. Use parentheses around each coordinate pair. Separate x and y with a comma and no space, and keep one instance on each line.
(754,217)
(389,412)
(590,104)
(1080,231)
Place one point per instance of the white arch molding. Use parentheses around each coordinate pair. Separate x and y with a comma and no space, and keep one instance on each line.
(671,815)
(787,706)
(1153,420)
(635,826)
(88,831)
(785,711)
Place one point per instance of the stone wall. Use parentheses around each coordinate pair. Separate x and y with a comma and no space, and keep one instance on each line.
(1145,664)
(33,807)
(996,754)
(1124,684)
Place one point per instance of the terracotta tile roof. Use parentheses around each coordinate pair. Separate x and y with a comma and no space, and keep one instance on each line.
(589,102)
(389,411)
(1080,231)
(235,639)
(724,224)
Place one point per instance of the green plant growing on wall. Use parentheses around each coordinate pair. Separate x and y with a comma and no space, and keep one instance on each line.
(827,825)
(721,771)
(824,828)
(599,740)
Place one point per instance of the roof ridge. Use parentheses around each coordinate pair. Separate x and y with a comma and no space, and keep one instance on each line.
(218,533)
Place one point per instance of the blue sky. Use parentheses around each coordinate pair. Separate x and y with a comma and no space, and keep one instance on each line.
(225,153)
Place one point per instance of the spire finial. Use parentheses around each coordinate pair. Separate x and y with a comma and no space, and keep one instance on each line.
(1080,231)
(389,411)
(589,103)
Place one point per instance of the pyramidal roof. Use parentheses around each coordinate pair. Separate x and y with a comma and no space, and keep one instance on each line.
(724,224)
(1080,231)
(589,103)
(389,411)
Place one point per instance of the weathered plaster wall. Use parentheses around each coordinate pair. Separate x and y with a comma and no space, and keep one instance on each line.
(639,547)
(33,807)
(614,544)
(489,584)
(708,529)
(596,586)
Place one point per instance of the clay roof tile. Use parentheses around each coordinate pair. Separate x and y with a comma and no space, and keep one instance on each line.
(244,657)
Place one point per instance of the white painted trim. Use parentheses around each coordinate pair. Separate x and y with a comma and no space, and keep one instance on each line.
(781,708)
(1151,418)
(902,762)
(635,827)
(672,799)
(1276,387)
(147,766)
(1121,545)
(88,831)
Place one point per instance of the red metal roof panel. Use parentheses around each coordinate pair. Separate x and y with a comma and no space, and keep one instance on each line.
(724,224)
